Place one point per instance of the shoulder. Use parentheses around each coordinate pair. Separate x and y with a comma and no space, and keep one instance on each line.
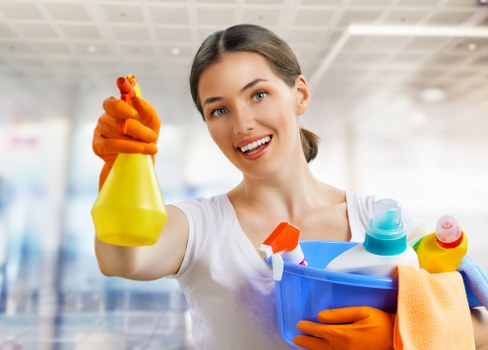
(205,209)
(213,203)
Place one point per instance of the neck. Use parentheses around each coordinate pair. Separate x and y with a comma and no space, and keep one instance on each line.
(287,194)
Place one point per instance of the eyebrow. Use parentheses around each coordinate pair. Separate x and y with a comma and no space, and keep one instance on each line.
(246,87)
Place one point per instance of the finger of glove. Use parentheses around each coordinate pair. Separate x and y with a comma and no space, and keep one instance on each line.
(331,332)
(119,108)
(114,146)
(313,328)
(108,127)
(136,130)
(345,315)
(146,114)
(311,343)
(125,146)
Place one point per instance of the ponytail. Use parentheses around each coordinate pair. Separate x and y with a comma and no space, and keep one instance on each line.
(310,143)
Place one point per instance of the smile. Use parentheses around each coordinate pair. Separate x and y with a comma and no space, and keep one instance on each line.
(253,145)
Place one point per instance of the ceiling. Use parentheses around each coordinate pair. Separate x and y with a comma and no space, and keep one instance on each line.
(403,114)
(54,51)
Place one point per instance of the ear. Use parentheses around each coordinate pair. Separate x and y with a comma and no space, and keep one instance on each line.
(302,94)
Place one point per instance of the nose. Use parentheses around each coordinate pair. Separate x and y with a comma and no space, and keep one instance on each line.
(244,121)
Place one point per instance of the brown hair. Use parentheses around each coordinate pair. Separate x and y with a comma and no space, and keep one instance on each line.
(252,38)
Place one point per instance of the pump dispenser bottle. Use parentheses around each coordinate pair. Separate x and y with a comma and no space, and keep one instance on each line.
(443,250)
(129,209)
(385,245)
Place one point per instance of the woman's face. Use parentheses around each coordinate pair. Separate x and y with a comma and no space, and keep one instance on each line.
(252,114)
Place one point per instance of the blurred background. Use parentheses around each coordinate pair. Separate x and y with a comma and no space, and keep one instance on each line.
(399,99)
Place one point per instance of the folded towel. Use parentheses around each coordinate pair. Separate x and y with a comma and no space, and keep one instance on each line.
(475,282)
(432,311)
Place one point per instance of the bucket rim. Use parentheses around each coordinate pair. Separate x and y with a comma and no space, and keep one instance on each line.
(324,275)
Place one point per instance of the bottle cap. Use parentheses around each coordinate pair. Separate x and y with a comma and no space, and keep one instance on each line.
(385,234)
(448,232)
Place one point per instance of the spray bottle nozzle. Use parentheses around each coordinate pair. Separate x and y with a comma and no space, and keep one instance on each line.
(281,244)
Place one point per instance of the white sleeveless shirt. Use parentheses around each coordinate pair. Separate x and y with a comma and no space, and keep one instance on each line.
(228,286)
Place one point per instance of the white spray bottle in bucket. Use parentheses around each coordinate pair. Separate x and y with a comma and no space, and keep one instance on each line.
(385,245)
(282,244)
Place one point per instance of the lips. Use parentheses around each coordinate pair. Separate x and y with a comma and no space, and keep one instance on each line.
(255,148)
(251,145)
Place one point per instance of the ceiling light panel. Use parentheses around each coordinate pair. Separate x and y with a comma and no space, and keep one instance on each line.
(405,17)
(450,18)
(314,18)
(168,14)
(67,11)
(93,49)
(262,16)
(138,50)
(123,13)
(20,11)
(172,35)
(37,30)
(50,48)
(427,44)
(14,48)
(304,37)
(80,31)
(215,15)
(185,51)
(359,16)
(130,33)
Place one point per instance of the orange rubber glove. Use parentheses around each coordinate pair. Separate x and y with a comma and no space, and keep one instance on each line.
(357,328)
(125,128)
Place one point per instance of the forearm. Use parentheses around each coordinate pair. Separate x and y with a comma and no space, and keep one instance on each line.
(147,262)
(479,317)
(115,260)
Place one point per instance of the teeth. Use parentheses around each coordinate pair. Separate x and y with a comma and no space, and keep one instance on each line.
(253,145)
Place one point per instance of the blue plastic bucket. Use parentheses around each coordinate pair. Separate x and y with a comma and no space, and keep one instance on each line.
(304,291)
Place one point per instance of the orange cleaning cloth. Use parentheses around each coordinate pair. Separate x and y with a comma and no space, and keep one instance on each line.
(433,311)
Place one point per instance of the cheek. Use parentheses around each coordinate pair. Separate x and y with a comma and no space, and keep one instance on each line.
(219,136)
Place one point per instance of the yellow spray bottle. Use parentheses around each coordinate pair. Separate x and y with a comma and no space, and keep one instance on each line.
(443,250)
(129,209)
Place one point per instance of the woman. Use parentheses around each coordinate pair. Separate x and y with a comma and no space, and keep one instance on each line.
(248,86)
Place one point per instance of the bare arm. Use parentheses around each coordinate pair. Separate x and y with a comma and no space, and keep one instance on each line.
(480,327)
(147,262)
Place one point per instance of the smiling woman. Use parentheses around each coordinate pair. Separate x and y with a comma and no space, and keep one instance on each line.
(251,39)
(248,86)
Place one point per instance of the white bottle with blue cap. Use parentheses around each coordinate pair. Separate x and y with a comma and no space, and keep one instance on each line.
(384,247)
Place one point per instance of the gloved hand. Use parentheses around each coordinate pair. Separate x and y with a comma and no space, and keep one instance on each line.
(125,129)
(357,328)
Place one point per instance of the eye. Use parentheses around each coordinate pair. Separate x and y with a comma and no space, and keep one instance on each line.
(217,112)
(259,95)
